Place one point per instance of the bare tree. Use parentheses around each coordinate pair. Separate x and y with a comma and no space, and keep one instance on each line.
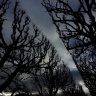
(53,76)
(76,25)
(18,86)
(74,90)
(25,49)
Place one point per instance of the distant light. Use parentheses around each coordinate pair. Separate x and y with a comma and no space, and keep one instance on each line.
(59,91)
(5,93)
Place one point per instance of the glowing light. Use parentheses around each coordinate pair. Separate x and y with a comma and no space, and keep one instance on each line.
(5,93)
(84,88)
(59,91)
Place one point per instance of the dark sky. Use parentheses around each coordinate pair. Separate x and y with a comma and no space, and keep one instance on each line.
(40,17)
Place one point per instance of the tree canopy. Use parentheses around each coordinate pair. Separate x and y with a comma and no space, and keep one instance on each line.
(26,53)
(76,25)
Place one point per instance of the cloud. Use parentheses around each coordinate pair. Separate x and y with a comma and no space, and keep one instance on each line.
(79,80)
(41,18)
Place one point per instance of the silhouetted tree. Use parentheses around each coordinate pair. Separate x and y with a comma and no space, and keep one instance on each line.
(21,49)
(76,25)
(74,90)
(18,86)
(53,76)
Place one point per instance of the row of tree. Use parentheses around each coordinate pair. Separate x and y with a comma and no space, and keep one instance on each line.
(75,21)
(27,56)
